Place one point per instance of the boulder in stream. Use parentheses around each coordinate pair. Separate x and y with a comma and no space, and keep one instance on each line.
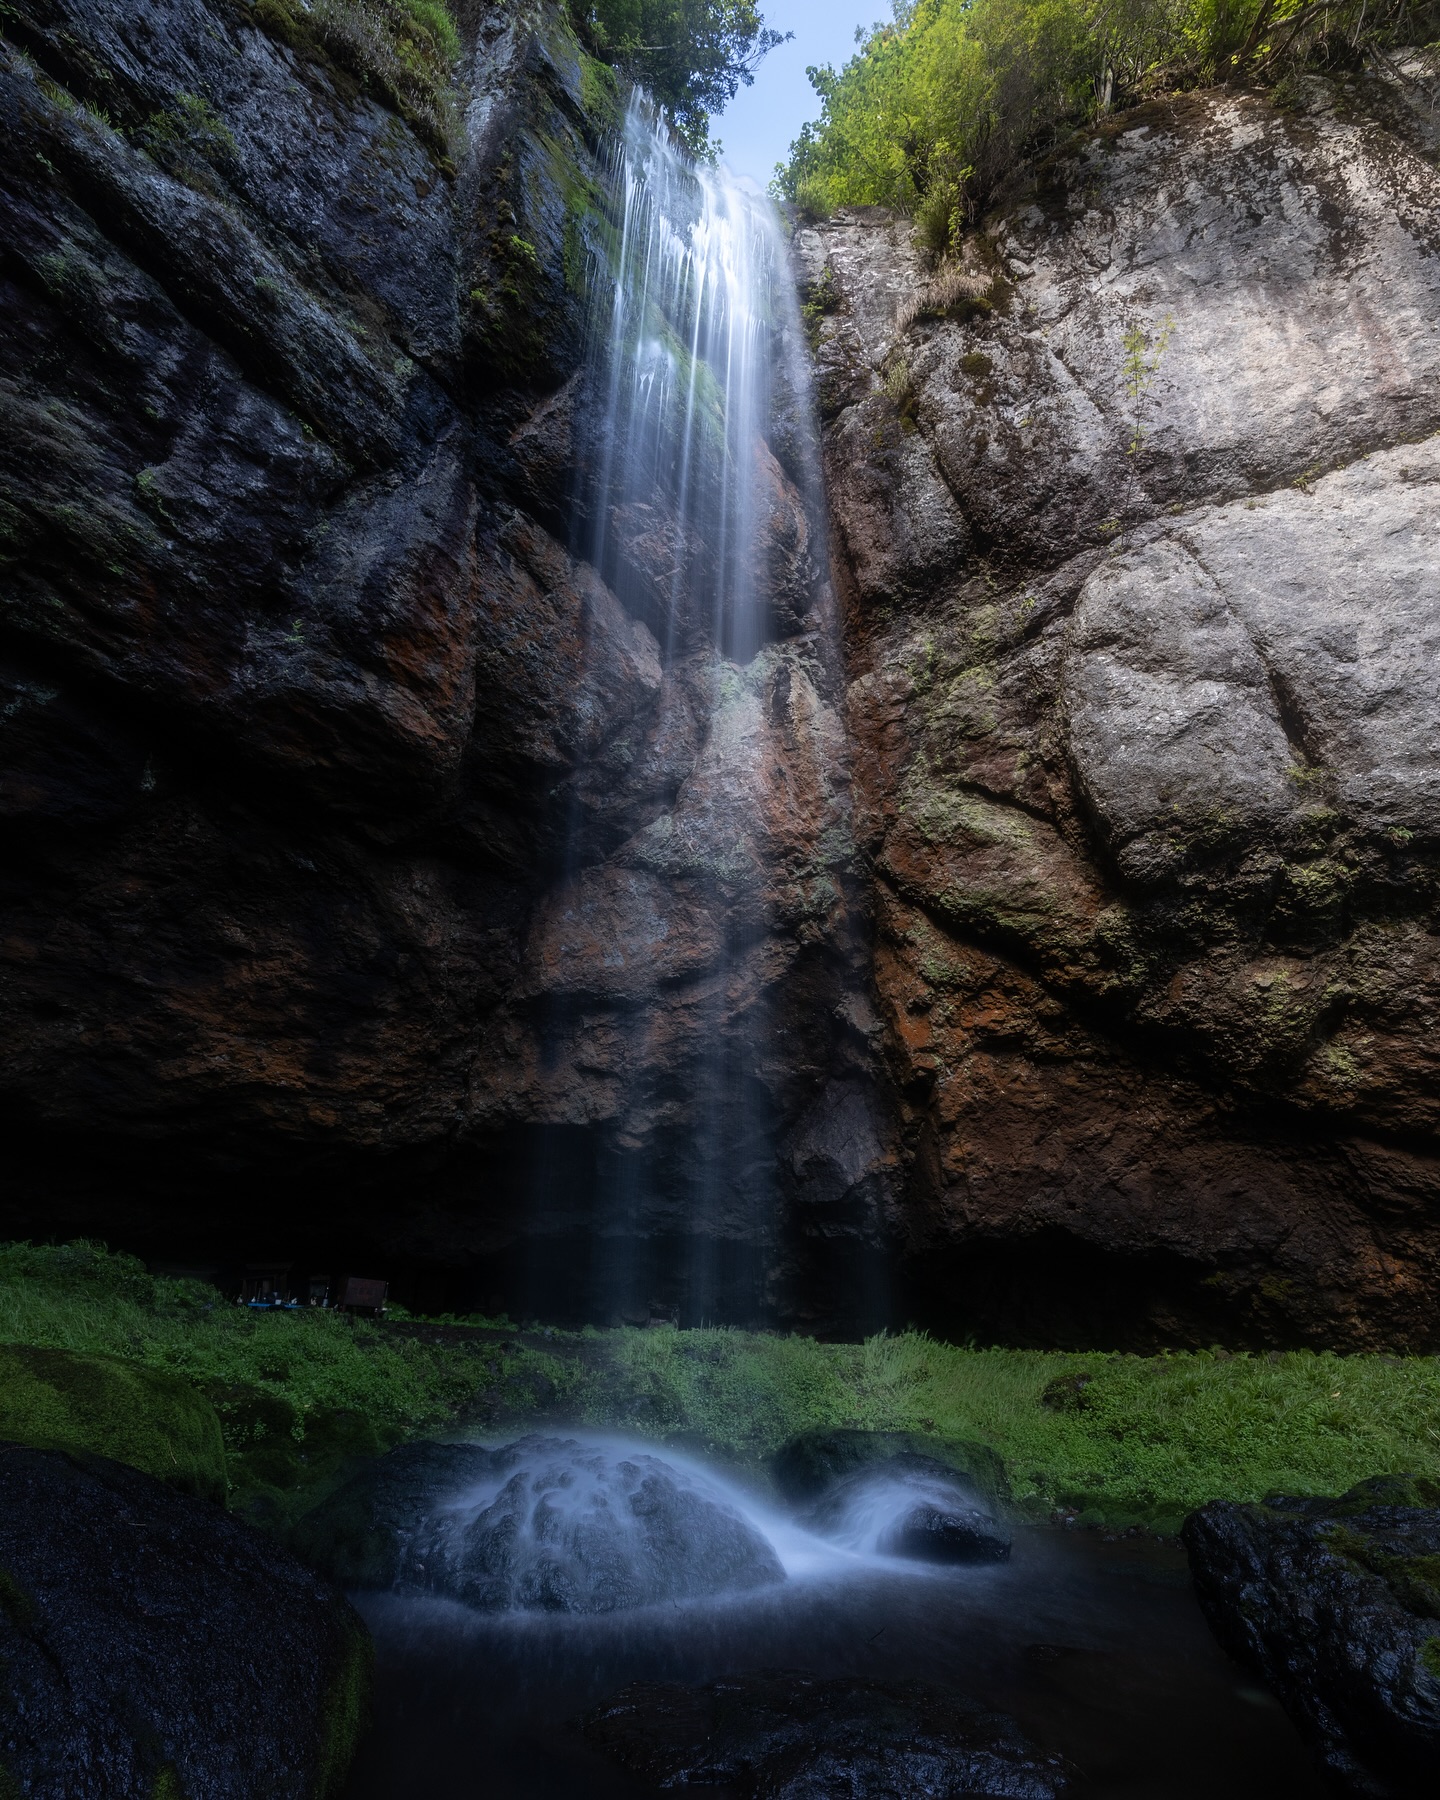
(793,1736)
(1335,1604)
(544,1524)
(155,1647)
(881,1492)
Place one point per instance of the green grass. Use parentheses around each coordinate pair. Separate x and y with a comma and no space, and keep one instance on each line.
(1144,1440)
(1141,1441)
(298,1397)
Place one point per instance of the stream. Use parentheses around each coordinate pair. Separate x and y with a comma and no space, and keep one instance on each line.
(1097,1648)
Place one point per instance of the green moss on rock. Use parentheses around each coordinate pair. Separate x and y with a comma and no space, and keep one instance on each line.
(103,1405)
(345,1710)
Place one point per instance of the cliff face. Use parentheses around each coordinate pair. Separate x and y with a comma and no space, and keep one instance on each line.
(304,687)
(378,882)
(1140,517)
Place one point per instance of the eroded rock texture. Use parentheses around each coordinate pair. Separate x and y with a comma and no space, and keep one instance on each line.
(305,689)
(1141,527)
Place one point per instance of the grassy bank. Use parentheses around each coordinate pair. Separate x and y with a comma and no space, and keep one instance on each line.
(1114,1439)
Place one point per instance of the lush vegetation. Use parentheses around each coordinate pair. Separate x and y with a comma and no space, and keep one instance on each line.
(936,107)
(1114,1440)
(111,1406)
(691,55)
(298,1398)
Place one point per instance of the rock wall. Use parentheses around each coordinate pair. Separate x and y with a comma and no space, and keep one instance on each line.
(303,686)
(1139,507)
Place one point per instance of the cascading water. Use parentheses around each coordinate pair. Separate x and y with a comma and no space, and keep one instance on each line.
(689,343)
(684,510)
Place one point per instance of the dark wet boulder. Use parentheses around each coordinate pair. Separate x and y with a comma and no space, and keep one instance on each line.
(806,1466)
(155,1647)
(910,1506)
(544,1524)
(358,1535)
(149,1418)
(1335,1604)
(889,1492)
(790,1736)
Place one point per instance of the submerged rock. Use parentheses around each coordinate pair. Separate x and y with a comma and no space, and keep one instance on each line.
(154,1646)
(544,1524)
(1336,1605)
(790,1736)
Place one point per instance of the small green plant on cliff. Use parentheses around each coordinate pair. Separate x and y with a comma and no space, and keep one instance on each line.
(1143,356)
(937,107)
(404,51)
(188,127)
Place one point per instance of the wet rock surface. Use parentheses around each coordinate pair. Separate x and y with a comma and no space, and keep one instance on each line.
(1335,1604)
(789,1736)
(544,1524)
(807,1465)
(1140,536)
(153,1645)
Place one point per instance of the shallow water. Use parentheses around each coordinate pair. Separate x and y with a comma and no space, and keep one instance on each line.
(1099,1650)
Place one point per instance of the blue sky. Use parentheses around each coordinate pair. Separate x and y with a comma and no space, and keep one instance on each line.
(757,127)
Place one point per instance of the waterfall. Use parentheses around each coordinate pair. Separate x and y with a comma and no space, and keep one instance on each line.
(690,334)
(704,537)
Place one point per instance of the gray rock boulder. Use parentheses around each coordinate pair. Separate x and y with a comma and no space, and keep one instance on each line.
(1139,517)
(153,1645)
(543,1524)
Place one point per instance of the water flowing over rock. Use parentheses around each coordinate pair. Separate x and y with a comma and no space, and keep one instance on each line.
(910,1506)
(544,1524)
(1140,525)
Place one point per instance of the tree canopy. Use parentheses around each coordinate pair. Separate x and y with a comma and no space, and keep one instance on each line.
(937,106)
(691,55)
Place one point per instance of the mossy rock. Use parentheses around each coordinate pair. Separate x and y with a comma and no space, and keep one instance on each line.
(281,1459)
(807,1465)
(356,1535)
(105,1406)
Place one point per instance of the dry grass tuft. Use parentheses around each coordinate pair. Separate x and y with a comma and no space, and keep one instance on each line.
(950,290)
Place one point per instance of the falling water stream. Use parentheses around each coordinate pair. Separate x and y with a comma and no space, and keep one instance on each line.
(594,1563)
(694,328)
